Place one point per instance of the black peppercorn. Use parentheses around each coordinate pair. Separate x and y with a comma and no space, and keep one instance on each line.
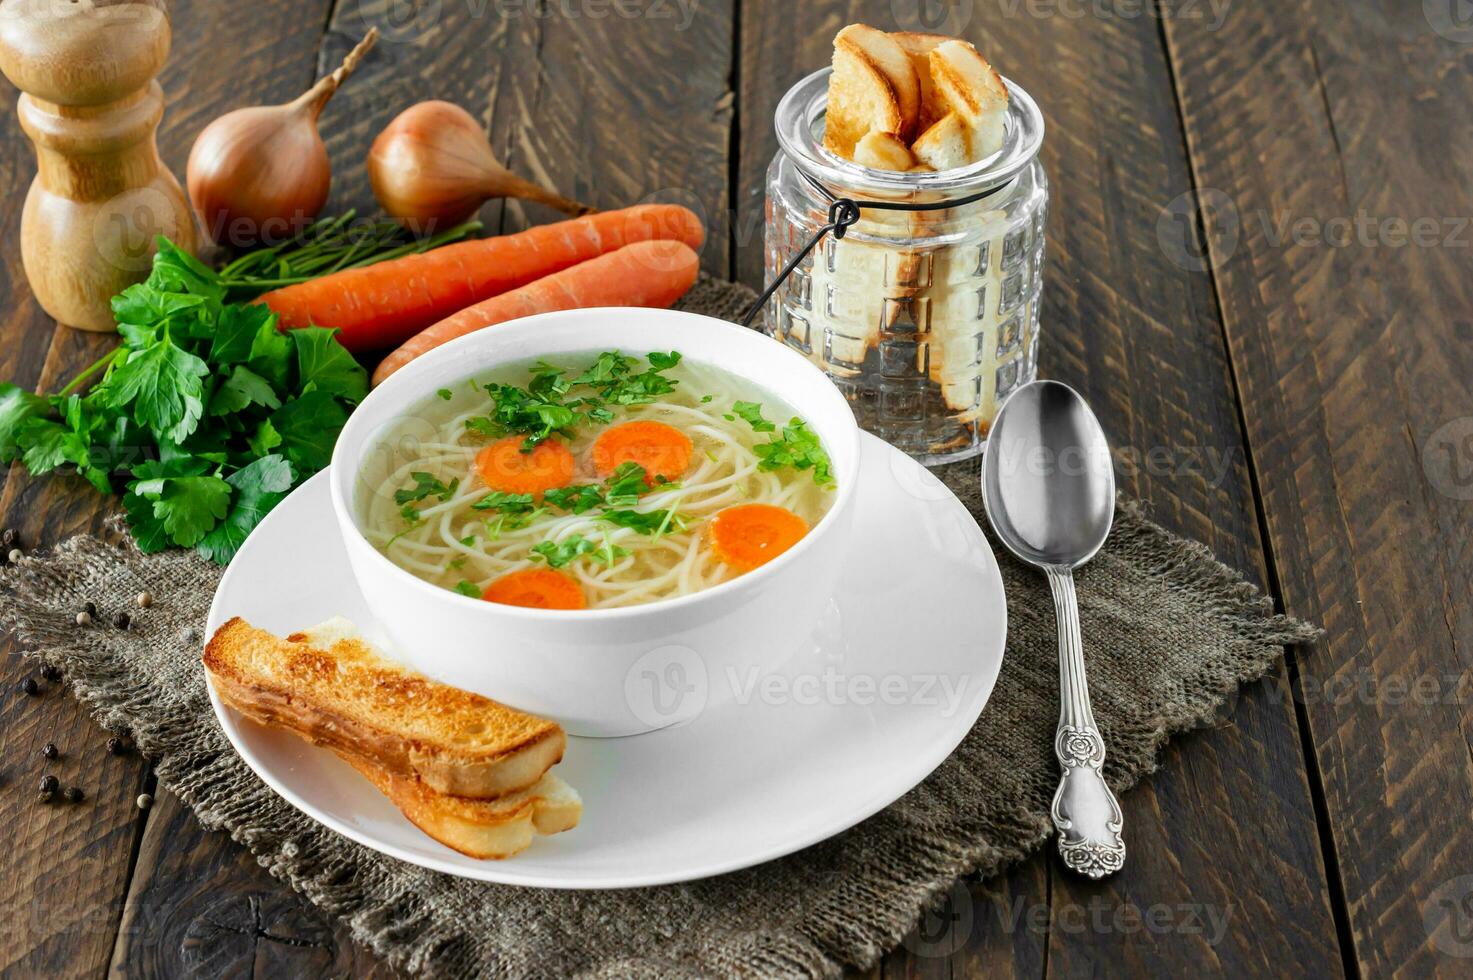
(50,784)
(122,620)
(51,673)
(7,537)
(50,751)
(29,686)
(116,746)
(73,794)
(90,608)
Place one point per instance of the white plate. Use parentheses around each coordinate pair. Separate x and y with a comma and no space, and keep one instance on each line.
(888,686)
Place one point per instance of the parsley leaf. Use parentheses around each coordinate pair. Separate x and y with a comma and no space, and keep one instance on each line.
(322,363)
(468,588)
(654,522)
(163,386)
(506,503)
(235,332)
(17,407)
(309,425)
(257,488)
(578,499)
(626,483)
(240,391)
(558,554)
(425,485)
(751,413)
(186,507)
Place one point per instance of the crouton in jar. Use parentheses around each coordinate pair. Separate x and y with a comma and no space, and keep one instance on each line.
(925,319)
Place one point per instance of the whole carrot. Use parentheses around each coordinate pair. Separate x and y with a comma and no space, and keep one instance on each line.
(381,305)
(653,274)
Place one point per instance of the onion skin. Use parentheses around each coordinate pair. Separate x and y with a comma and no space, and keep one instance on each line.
(426,166)
(433,166)
(259,174)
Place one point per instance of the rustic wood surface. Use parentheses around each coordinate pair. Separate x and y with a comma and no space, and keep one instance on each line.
(1298,401)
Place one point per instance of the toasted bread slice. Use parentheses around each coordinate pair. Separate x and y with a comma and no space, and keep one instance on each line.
(496,828)
(968,84)
(348,697)
(946,145)
(917,48)
(883,151)
(861,99)
(892,61)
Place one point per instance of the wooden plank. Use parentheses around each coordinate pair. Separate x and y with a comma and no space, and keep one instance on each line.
(610,109)
(523,76)
(1332,133)
(1226,828)
(197,908)
(70,864)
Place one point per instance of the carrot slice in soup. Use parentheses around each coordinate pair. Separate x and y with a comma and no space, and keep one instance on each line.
(749,535)
(503,466)
(537,588)
(661,449)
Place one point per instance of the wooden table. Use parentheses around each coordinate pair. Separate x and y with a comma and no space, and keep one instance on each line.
(1261,274)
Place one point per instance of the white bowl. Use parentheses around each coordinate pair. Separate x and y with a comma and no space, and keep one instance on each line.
(593,670)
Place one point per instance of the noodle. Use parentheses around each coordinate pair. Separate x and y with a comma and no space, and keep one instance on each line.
(453,545)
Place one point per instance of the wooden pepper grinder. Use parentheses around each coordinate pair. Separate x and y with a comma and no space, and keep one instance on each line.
(91,108)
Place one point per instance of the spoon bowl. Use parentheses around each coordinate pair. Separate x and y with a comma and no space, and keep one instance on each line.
(1047,481)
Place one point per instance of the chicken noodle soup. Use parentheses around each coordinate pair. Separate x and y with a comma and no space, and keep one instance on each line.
(602,480)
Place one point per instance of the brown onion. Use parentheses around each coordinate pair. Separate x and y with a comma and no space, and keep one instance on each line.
(262,173)
(433,166)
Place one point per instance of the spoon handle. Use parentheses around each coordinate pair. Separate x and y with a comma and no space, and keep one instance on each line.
(1085,812)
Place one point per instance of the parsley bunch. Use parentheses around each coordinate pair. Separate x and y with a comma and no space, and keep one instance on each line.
(206,413)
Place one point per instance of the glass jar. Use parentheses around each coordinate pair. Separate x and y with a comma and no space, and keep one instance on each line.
(926,320)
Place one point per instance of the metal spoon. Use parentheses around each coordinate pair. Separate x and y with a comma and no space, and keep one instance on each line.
(1049,490)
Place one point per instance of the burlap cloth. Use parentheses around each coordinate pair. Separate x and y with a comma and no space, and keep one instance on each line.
(1171,633)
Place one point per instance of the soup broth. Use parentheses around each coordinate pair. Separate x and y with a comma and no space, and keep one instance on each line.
(598,481)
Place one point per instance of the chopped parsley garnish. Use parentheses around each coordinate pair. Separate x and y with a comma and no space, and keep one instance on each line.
(654,522)
(469,540)
(622,488)
(468,588)
(560,553)
(751,413)
(544,407)
(425,485)
(506,503)
(578,499)
(625,484)
(445,394)
(798,447)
